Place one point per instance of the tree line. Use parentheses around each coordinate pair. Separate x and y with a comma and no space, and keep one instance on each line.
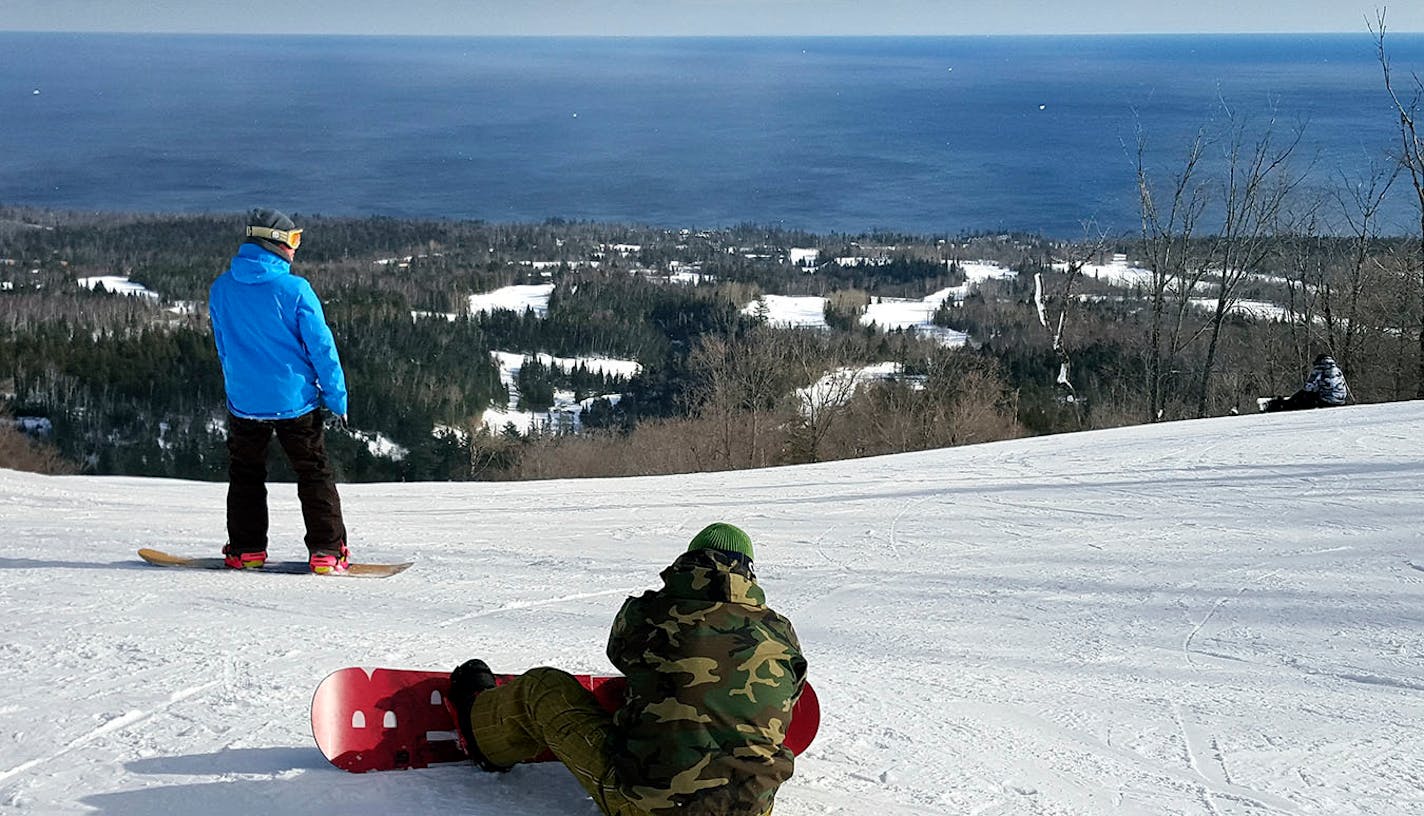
(133,385)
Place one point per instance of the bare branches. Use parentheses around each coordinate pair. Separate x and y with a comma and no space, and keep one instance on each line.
(1411,143)
(1255,190)
(1077,257)
(1412,159)
(1167,234)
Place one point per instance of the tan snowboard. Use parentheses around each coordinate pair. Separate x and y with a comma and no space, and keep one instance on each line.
(163,559)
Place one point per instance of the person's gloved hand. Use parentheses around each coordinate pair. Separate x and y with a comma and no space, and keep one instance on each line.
(339,421)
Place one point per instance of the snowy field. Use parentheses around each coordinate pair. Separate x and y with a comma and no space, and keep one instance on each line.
(837,387)
(118,285)
(1253,309)
(1117,272)
(1214,618)
(897,313)
(515,298)
(917,314)
(790,311)
(566,412)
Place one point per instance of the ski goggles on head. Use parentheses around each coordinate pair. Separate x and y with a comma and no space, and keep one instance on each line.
(292,238)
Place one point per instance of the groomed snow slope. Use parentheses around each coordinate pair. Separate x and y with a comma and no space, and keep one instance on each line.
(1222,617)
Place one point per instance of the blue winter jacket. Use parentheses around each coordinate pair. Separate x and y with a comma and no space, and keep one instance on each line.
(278,358)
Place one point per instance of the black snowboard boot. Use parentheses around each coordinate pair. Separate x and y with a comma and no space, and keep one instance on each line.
(466,682)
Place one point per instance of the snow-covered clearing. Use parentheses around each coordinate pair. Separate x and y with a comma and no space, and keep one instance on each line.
(789,311)
(449,317)
(1214,618)
(518,299)
(979,271)
(837,387)
(380,445)
(514,298)
(566,413)
(917,314)
(1253,309)
(803,256)
(510,362)
(689,277)
(914,315)
(1116,272)
(119,285)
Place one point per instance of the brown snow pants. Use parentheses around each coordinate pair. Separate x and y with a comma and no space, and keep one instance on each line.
(303,441)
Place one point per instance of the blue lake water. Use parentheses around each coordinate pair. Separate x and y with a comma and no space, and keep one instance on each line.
(929,135)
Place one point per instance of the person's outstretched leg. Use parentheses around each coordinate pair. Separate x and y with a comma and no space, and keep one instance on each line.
(1300,401)
(547,708)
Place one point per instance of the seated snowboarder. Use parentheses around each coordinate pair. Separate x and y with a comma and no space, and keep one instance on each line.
(1324,389)
(713,675)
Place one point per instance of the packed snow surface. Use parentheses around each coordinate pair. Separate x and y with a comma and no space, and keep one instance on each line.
(1222,617)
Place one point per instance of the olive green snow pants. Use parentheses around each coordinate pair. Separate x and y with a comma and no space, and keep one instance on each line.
(547,708)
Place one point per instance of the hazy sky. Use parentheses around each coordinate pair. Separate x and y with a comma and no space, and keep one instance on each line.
(704,17)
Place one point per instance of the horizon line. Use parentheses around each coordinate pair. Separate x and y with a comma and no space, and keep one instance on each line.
(682,36)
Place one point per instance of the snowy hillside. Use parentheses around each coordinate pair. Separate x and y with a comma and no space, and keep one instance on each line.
(1222,617)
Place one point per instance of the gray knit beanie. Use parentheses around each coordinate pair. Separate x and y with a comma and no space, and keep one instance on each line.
(272,219)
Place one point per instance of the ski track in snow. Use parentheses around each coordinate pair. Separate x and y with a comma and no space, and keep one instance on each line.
(1204,618)
(510,607)
(118,723)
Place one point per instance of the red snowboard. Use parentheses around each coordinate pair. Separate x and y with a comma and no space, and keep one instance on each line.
(390,719)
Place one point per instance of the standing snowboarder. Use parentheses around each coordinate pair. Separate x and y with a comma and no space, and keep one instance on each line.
(280,366)
(1325,388)
(713,674)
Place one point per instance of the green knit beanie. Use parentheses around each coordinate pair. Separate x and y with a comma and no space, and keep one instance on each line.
(723,537)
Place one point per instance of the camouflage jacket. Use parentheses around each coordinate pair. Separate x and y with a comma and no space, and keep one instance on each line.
(1328,382)
(712,677)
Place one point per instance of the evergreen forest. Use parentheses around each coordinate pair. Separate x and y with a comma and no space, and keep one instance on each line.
(103,382)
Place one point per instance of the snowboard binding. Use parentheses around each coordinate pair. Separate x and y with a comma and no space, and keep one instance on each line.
(466,682)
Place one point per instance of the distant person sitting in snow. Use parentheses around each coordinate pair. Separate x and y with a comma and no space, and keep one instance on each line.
(1324,389)
(280,367)
(713,675)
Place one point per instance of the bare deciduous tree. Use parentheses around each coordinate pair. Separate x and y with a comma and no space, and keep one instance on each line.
(1411,157)
(743,383)
(1169,226)
(1075,259)
(1360,204)
(1254,190)
(831,376)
